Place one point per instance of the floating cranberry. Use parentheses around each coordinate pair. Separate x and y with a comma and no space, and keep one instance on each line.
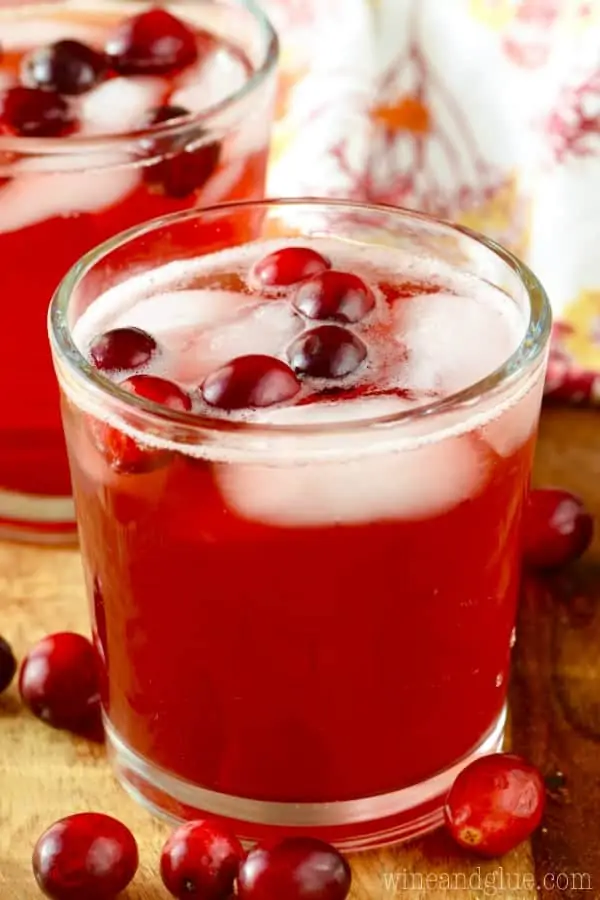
(68,67)
(249,382)
(152,43)
(335,295)
(288,266)
(158,390)
(495,804)
(59,681)
(166,113)
(88,855)
(201,859)
(186,171)
(122,348)
(122,453)
(8,664)
(557,528)
(33,112)
(328,351)
(298,868)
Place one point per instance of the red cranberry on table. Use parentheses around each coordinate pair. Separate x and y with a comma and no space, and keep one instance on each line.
(59,682)
(495,804)
(201,859)
(288,266)
(88,856)
(335,295)
(67,67)
(122,348)
(8,664)
(152,43)
(328,351)
(37,113)
(557,528)
(297,868)
(248,382)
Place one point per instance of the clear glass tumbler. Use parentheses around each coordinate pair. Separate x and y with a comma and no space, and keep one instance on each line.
(63,194)
(305,616)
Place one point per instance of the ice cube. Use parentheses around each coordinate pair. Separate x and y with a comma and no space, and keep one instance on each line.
(23,33)
(220,186)
(212,80)
(120,105)
(324,412)
(513,427)
(411,484)
(264,328)
(452,341)
(173,311)
(31,198)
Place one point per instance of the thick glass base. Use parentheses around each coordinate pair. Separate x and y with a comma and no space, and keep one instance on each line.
(351,825)
(36,519)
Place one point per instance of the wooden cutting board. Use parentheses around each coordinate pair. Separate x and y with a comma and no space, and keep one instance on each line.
(45,774)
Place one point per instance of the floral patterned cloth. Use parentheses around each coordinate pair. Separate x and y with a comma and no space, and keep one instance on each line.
(486,112)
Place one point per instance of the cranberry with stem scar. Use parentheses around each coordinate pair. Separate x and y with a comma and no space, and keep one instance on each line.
(288,266)
(335,295)
(8,665)
(67,67)
(328,351)
(152,43)
(122,348)
(88,855)
(495,804)
(33,112)
(59,682)
(201,859)
(297,868)
(250,382)
(557,528)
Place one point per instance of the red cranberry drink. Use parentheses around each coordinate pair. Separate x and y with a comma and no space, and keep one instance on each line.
(110,114)
(299,464)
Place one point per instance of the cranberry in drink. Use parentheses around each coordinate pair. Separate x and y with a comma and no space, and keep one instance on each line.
(299,464)
(110,114)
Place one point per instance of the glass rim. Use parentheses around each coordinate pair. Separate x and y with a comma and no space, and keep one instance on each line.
(528,353)
(74,144)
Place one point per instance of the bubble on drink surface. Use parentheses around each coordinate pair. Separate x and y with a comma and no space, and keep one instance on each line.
(31,198)
(211,80)
(27,33)
(409,484)
(119,105)
(453,341)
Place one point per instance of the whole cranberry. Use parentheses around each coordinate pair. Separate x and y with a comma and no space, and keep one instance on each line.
(122,348)
(33,112)
(59,681)
(249,382)
(288,266)
(328,351)
(335,295)
(152,43)
(8,664)
(158,390)
(201,859)
(186,171)
(88,856)
(495,804)
(557,528)
(67,67)
(297,868)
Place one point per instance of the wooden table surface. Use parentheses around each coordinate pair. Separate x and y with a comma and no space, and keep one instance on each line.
(555,707)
